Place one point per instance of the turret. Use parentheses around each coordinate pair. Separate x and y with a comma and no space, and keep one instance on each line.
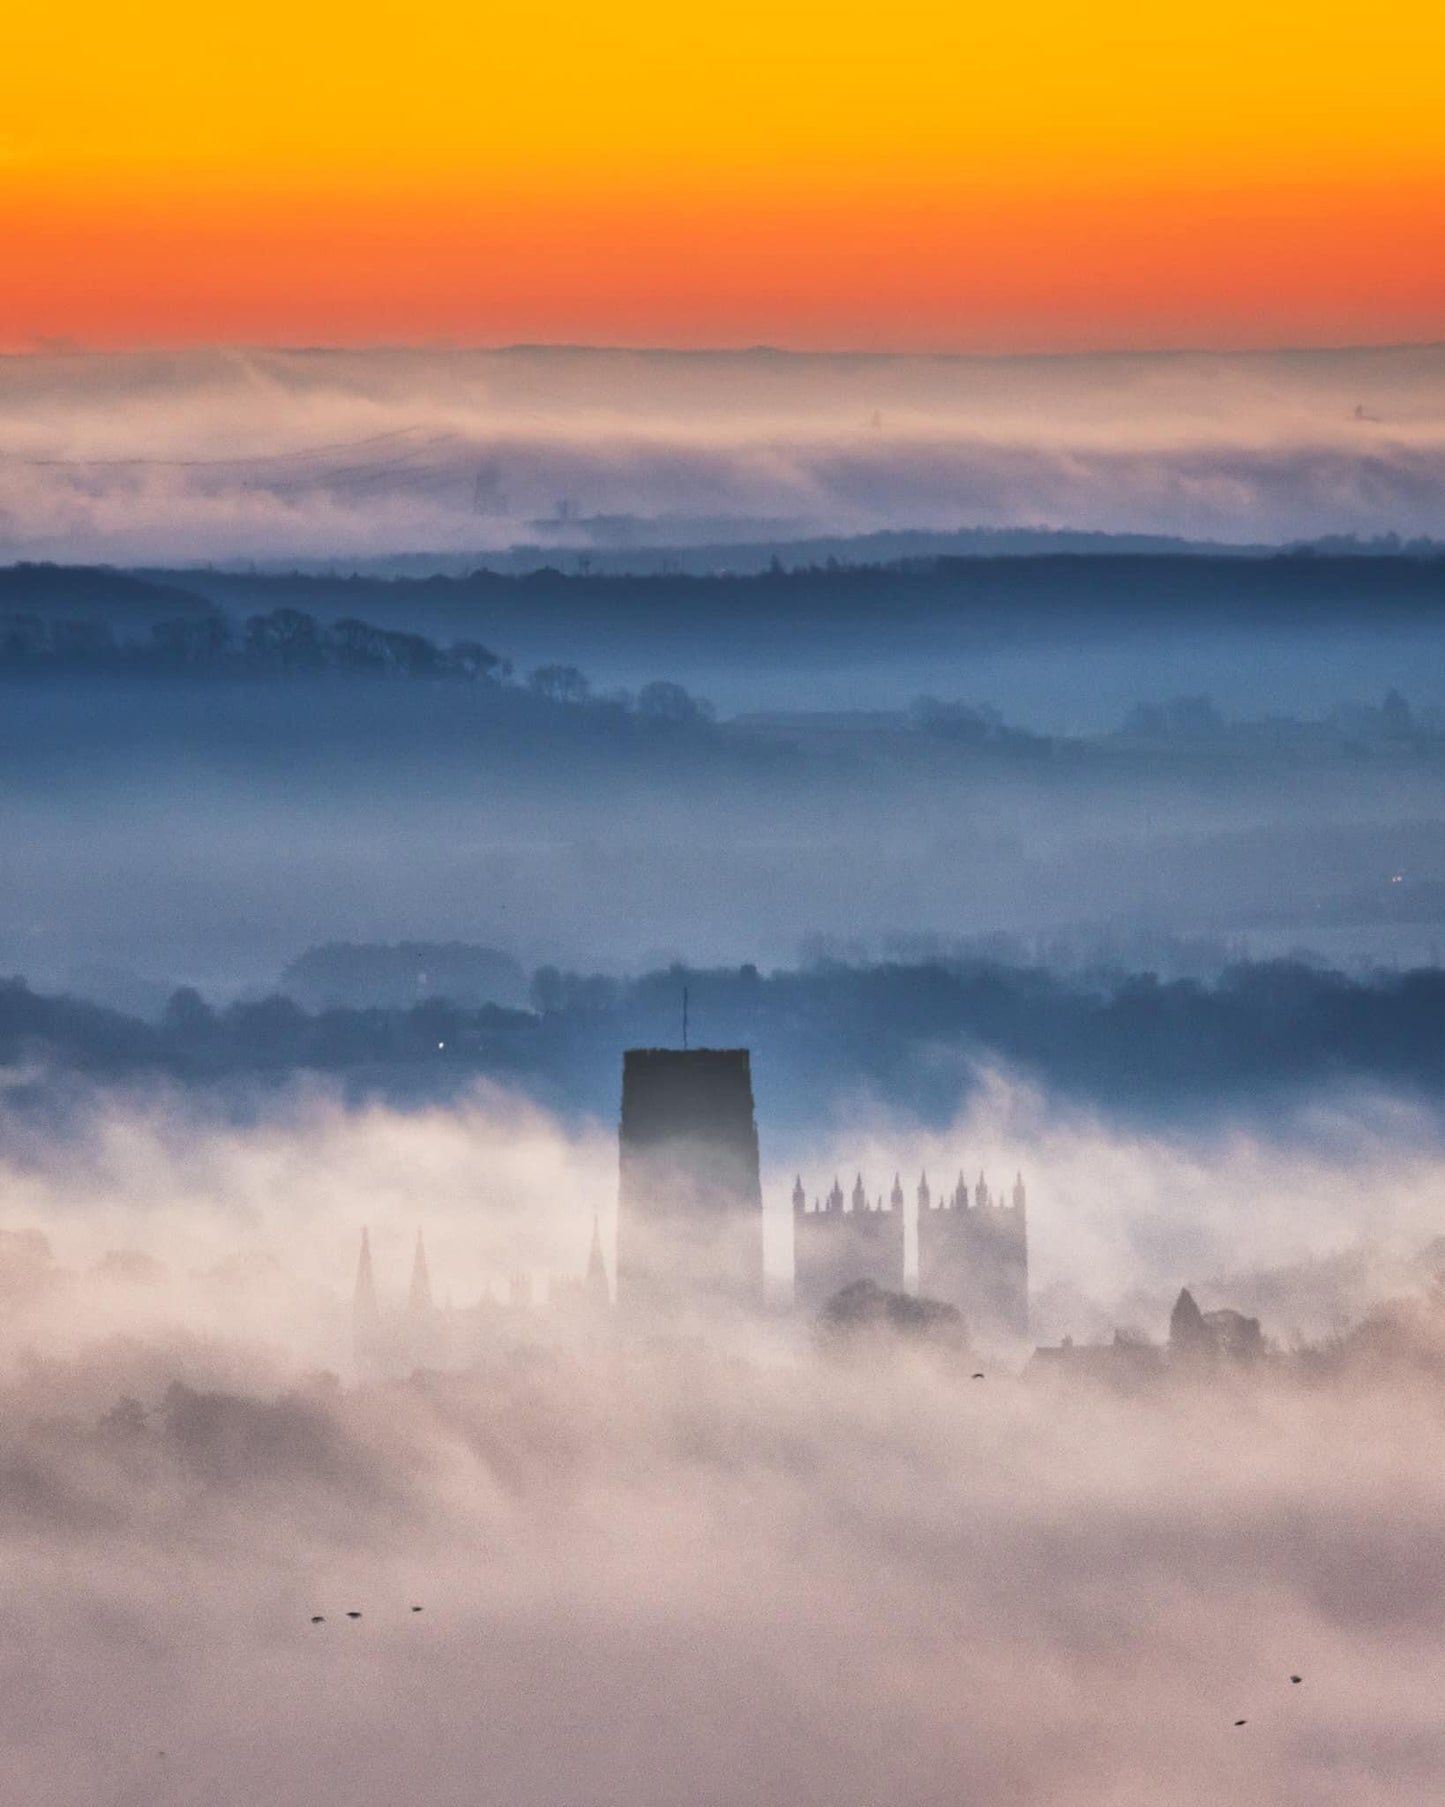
(419,1300)
(895,1198)
(925,1197)
(1020,1199)
(366,1335)
(365,1313)
(834,1201)
(596,1283)
(860,1197)
(981,1194)
(800,1198)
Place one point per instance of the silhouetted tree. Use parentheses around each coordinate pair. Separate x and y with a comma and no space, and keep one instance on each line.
(667,702)
(284,640)
(559,684)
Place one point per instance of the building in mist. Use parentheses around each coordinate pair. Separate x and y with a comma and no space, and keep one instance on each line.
(422,1334)
(838,1242)
(1212,1338)
(690,1203)
(974,1253)
(1200,1343)
(972,1250)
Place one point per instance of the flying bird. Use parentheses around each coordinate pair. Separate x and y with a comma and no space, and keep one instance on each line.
(353,1615)
(416,1609)
(1241,1722)
(978,1377)
(318,1618)
(1296,1678)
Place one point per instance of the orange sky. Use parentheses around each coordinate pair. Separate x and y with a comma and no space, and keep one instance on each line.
(1065,176)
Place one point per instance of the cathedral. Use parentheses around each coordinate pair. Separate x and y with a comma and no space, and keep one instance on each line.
(972,1250)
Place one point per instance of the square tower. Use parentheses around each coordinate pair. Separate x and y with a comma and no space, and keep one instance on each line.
(690,1208)
(833,1246)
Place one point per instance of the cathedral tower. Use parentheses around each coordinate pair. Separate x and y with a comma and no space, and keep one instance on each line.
(690,1217)
(833,1246)
(975,1256)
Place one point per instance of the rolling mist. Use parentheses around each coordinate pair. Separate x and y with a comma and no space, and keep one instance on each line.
(649,1570)
(252,454)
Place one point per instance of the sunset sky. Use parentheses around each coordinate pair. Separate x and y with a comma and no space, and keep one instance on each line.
(1053,176)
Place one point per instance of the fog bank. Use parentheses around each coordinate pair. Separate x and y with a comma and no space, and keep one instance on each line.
(230,454)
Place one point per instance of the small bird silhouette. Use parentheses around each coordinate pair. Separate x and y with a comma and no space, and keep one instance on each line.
(1296,1678)
(978,1377)
(1241,1722)
(353,1615)
(416,1609)
(318,1618)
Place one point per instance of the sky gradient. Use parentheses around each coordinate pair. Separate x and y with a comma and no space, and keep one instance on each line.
(1059,177)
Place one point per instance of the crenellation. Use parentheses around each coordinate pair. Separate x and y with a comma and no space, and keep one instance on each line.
(972,1249)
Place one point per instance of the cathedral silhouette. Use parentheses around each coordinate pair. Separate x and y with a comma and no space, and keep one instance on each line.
(690,1235)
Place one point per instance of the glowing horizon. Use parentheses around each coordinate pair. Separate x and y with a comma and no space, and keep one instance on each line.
(1064,178)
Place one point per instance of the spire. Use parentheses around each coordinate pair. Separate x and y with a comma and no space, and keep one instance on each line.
(419,1298)
(365,1313)
(860,1197)
(1020,1197)
(597,1267)
(800,1198)
(896,1196)
(925,1198)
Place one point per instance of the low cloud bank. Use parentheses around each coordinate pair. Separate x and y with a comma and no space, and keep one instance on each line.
(695,1575)
(241,454)
(159,1212)
(726,1570)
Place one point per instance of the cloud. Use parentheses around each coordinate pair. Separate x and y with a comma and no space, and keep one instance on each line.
(285,454)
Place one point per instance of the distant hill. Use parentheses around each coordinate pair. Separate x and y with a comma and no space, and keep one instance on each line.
(630,546)
(359,975)
(587,617)
(96,593)
(93,606)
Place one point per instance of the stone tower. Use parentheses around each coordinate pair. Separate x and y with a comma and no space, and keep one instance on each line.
(690,1208)
(974,1255)
(834,1246)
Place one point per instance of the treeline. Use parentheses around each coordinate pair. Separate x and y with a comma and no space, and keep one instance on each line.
(911,1036)
(284,641)
(288,643)
(1016,595)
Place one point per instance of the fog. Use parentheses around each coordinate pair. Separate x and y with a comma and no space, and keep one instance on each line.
(281,454)
(1120,1216)
(728,1569)
(208,833)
